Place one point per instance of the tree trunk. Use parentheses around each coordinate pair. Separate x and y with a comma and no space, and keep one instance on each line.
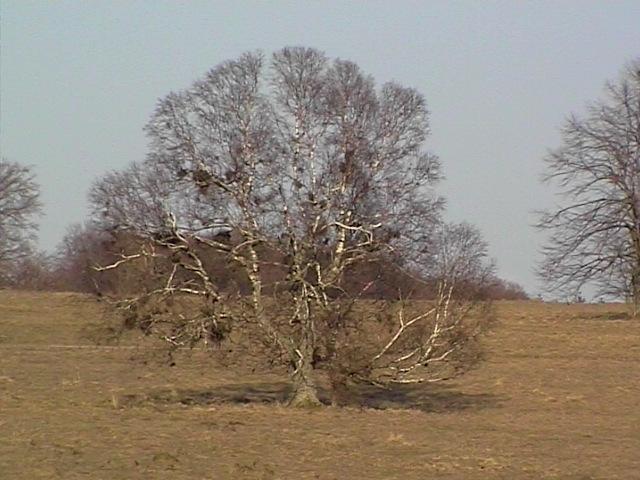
(635,290)
(305,392)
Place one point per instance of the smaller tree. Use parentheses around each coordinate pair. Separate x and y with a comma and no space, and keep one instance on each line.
(595,230)
(19,205)
(83,247)
(461,257)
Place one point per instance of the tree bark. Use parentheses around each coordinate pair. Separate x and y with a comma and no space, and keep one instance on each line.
(305,392)
(635,293)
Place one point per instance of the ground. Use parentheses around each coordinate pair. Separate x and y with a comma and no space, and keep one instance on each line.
(556,398)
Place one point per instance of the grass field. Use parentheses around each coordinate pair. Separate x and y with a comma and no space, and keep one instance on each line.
(558,397)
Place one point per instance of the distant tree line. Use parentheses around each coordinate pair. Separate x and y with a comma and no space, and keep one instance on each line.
(71,267)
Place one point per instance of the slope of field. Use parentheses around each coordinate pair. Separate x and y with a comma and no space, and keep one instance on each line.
(558,397)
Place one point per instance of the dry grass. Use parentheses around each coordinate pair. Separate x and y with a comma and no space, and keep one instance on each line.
(556,398)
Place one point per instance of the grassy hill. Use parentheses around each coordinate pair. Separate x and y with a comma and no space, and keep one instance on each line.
(557,397)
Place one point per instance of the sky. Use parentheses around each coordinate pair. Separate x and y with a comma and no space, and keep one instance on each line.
(80,79)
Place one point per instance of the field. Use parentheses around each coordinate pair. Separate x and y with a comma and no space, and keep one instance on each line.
(558,397)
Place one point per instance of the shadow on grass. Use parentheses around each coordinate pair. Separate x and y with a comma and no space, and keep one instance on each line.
(611,316)
(429,398)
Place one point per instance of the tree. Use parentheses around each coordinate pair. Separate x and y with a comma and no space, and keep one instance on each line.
(461,256)
(296,164)
(19,205)
(82,247)
(595,232)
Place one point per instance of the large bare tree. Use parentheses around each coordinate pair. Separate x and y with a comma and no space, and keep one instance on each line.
(299,164)
(595,231)
(19,205)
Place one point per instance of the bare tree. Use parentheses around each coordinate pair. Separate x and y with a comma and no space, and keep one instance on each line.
(82,247)
(19,205)
(595,231)
(461,256)
(297,163)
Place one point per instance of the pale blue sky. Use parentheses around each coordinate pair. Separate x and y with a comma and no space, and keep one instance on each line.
(79,80)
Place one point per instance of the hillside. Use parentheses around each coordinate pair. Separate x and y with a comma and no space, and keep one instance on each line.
(556,397)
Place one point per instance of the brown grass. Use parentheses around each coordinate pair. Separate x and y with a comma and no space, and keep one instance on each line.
(557,397)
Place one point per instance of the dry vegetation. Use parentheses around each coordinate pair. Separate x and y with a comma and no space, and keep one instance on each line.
(557,397)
